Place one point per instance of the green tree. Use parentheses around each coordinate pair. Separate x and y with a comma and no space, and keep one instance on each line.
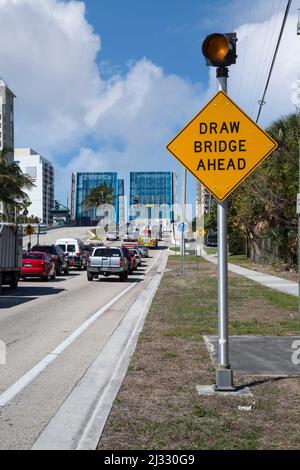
(13,185)
(264,205)
(102,194)
(210,220)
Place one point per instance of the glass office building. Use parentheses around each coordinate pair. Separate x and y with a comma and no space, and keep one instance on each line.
(153,190)
(84,184)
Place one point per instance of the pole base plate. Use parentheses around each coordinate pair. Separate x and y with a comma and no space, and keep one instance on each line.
(224,380)
(209,390)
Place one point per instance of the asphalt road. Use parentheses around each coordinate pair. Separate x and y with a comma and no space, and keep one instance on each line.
(63,232)
(35,321)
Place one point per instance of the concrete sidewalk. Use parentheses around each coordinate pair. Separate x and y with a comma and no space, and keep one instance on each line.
(268,280)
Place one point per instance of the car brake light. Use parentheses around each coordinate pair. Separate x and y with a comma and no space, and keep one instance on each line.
(77,254)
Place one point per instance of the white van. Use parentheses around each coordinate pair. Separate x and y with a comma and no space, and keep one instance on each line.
(75,249)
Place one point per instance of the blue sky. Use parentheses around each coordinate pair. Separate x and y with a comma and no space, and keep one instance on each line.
(169,32)
(164,31)
(105,84)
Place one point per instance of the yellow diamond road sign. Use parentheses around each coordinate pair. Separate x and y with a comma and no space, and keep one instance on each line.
(201,232)
(221,146)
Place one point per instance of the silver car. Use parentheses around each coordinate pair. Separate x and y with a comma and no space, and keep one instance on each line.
(107,261)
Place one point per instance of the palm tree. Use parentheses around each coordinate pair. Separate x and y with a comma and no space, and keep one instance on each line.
(102,194)
(13,184)
(23,211)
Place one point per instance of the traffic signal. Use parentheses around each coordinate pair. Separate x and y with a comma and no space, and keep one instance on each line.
(219,49)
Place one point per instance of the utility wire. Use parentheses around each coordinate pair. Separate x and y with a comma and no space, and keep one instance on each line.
(262,101)
(266,52)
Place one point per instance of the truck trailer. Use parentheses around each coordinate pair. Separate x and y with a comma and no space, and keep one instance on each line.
(10,255)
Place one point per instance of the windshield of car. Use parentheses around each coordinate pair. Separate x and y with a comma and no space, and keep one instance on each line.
(44,249)
(107,252)
(33,256)
(71,248)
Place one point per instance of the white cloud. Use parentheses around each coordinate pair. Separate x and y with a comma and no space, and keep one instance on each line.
(48,58)
(144,107)
(50,62)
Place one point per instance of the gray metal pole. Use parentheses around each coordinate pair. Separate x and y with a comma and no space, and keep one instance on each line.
(183,196)
(182,252)
(223,285)
(47,204)
(224,376)
(38,235)
(183,213)
(299,241)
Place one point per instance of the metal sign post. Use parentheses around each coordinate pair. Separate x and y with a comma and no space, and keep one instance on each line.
(182,251)
(182,228)
(183,205)
(298,212)
(224,375)
(221,146)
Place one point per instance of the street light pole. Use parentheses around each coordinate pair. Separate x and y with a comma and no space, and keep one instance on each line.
(47,204)
(299,236)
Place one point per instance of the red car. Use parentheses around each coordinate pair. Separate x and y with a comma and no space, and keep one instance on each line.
(132,261)
(37,264)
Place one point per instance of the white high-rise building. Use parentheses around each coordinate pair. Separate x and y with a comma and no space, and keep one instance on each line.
(41,173)
(6,118)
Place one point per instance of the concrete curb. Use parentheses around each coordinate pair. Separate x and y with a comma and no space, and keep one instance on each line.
(79,422)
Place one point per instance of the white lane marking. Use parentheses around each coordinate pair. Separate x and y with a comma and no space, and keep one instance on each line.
(96,423)
(25,380)
(16,388)
(119,372)
(97,389)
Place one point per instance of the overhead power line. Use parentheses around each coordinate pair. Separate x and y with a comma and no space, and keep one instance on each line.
(262,101)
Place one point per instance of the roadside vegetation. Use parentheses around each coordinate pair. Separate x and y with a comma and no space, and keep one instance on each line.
(158,406)
(102,194)
(13,186)
(262,214)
